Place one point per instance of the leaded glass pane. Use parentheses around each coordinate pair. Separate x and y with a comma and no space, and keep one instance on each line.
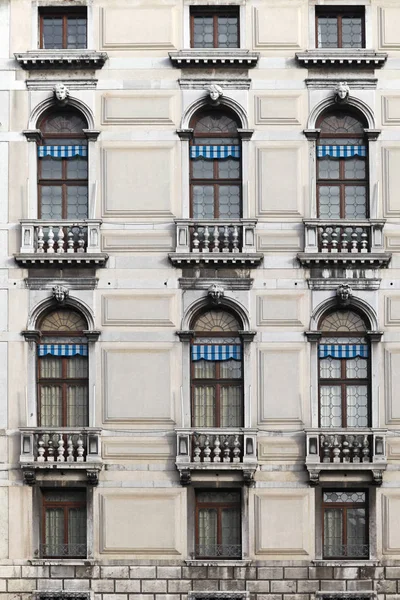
(203,32)
(357,405)
(52,33)
(231,406)
(216,320)
(355,202)
(329,368)
(330,406)
(351,32)
(340,496)
(51,201)
(76,32)
(229,201)
(327,32)
(328,168)
(354,168)
(203,202)
(228,32)
(204,406)
(343,320)
(356,368)
(329,202)
(63,320)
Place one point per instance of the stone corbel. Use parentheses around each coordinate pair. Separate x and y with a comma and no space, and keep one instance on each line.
(31,335)
(33,135)
(92,335)
(185,336)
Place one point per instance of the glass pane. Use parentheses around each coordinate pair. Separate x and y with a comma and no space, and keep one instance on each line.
(203,31)
(204,369)
(357,405)
(354,168)
(203,202)
(207,532)
(50,406)
(231,406)
(328,168)
(228,32)
(356,368)
(229,201)
(52,32)
(231,369)
(202,168)
(329,202)
(51,201)
(327,32)
(351,32)
(333,527)
(330,406)
(54,532)
(77,367)
(77,202)
(50,367)
(356,532)
(51,168)
(76,32)
(77,531)
(229,168)
(355,202)
(77,168)
(204,406)
(77,406)
(329,368)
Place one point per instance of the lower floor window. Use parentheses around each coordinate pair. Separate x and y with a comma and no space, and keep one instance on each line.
(64,524)
(218,524)
(345,524)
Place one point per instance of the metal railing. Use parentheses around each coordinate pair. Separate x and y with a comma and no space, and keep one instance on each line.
(60,237)
(60,444)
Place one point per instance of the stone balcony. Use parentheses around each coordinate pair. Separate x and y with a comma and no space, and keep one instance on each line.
(215,242)
(216,449)
(66,243)
(65,448)
(346,450)
(344,242)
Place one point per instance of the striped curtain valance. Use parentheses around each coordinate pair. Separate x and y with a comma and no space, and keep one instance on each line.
(341,151)
(343,350)
(62,151)
(216,352)
(214,151)
(62,349)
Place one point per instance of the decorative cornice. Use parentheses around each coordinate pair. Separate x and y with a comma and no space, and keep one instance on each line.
(342,57)
(88,83)
(61,59)
(234,83)
(214,57)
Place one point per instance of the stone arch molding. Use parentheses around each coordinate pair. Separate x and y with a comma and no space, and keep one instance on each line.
(38,111)
(329,305)
(204,303)
(353,102)
(224,101)
(49,303)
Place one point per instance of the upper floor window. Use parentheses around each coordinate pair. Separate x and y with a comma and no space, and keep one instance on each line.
(214,27)
(342,169)
(340,27)
(63,524)
(62,371)
(345,524)
(344,373)
(63,28)
(216,371)
(218,524)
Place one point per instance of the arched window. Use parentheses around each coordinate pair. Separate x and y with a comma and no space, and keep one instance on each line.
(217,371)
(342,168)
(63,166)
(215,166)
(344,371)
(63,370)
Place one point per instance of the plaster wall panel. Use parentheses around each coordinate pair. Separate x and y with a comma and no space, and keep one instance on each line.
(278,310)
(139,27)
(280,382)
(137,385)
(275,165)
(392,383)
(278,109)
(154,527)
(139,310)
(130,187)
(283,524)
(138,241)
(388,27)
(138,109)
(142,449)
(391,181)
(277,26)
(389,523)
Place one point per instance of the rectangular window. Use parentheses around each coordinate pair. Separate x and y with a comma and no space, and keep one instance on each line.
(63,28)
(63,524)
(218,524)
(340,27)
(214,27)
(345,524)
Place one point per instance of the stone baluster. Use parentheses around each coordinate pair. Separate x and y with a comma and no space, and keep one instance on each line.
(50,450)
(334,239)
(344,241)
(70,449)
(80,450)
(207,449)
(50,240)
(236,449)
(60,450)
(365,449)
(227,451)
(196,241)
(197,449)
(356,450)
(364,241)
(41,449)
(326,449)
(226,239)
(60,240)
(216,238)
(40,242)
(354,241)
(346,447)
(217,449)
(235,239)
(81,240)
(336,449)
(70,241)
(324,240)
(206,245)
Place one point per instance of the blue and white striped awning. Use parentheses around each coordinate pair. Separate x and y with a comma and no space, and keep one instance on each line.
(214,151)
(62,151)
(341,151)
(343,350)
(62,349)
(216,352)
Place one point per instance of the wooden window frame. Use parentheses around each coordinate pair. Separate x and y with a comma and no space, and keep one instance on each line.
(219,507)
(64,13)
(344,506)
(338,12)
(215,12)
(66,505)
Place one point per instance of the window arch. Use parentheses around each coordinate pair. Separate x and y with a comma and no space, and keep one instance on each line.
(62,369)
(342,167)
(217,370)
(344,371)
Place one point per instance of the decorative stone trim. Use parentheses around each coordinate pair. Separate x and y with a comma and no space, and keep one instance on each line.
(214,57)
(61,59)
(238,83)
(342,57)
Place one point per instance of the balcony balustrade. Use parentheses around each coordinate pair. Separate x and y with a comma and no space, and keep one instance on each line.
(346,449)
(215,242)
(66,242)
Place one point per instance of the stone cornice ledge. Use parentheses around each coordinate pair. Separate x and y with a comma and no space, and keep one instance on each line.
(337,57)
(210,57)
(61,59)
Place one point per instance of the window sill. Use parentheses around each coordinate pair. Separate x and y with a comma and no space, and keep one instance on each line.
(61,59)
(225,57)
(341,57)
(196,562)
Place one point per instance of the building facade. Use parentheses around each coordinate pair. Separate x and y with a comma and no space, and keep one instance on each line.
(200,299)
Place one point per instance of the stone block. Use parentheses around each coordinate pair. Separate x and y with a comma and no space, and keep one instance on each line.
(179,586)
(77,585)
(270,573)
(154,586)
(245,573)
(232,585)
(283,587)
(345,573)
(35,572)
(103,585)
(391,573)
(308,586)
(115,572)
(62,571)
(205,586)
(365,585)
(194,572)
(142,572)
(21,585)
(333,585)
(10,571)
(49,585)
(220,572)
(168,572)
(261,587)
(129,586)
(89,572)
(296,573)
(320,573)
